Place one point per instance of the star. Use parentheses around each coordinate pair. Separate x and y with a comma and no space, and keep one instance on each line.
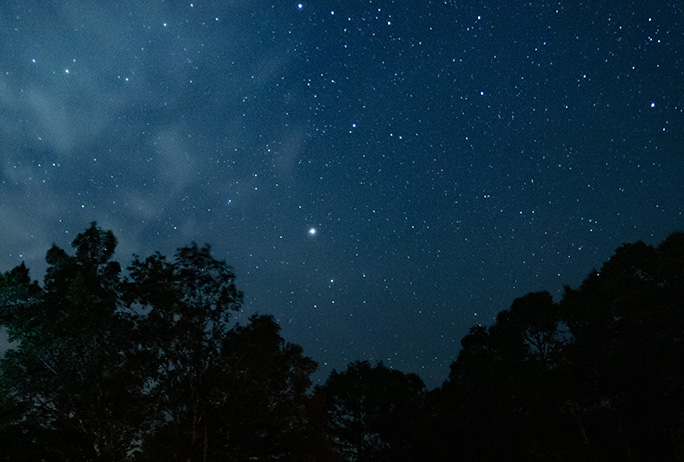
(267,153)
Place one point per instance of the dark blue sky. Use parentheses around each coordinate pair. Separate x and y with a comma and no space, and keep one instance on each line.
(450,155)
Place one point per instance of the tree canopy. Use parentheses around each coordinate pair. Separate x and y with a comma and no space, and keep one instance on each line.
(143,367)
(148,364)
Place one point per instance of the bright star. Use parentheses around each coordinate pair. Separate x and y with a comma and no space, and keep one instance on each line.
(312,231)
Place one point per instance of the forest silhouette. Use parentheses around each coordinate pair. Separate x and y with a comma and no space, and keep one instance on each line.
(147,365)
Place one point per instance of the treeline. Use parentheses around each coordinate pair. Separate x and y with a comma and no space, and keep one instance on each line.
(145,365)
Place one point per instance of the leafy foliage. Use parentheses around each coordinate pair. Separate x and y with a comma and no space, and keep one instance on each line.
(68,377)
(182,311)
(374,412)
(597,377)
(150,367)
(142,368)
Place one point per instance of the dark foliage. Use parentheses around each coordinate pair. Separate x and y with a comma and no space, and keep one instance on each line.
(149,367)
(144,368)
(597,377)
(374,413)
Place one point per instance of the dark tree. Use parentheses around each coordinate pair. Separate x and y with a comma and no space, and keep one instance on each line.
(149,368)
(627,322)
(374,413)
(67,381)
(146,368)
(183,307)
(261,401)
(505,395)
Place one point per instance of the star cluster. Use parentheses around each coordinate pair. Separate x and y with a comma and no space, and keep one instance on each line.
(382,175)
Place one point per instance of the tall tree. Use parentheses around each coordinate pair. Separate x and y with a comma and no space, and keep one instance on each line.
(184,307)
(146,368)
(262,398)
(374,413)
(505,394)
(68,374)
(627,322)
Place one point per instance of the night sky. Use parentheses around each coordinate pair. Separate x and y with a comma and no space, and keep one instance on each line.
(382,175)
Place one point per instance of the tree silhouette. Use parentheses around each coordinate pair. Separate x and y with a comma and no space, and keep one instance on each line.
(148,367)
(68,374)
(145,368)
(183,310)
(505,394)
(374,412)
(627,322)
(597,377)
(263,396)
